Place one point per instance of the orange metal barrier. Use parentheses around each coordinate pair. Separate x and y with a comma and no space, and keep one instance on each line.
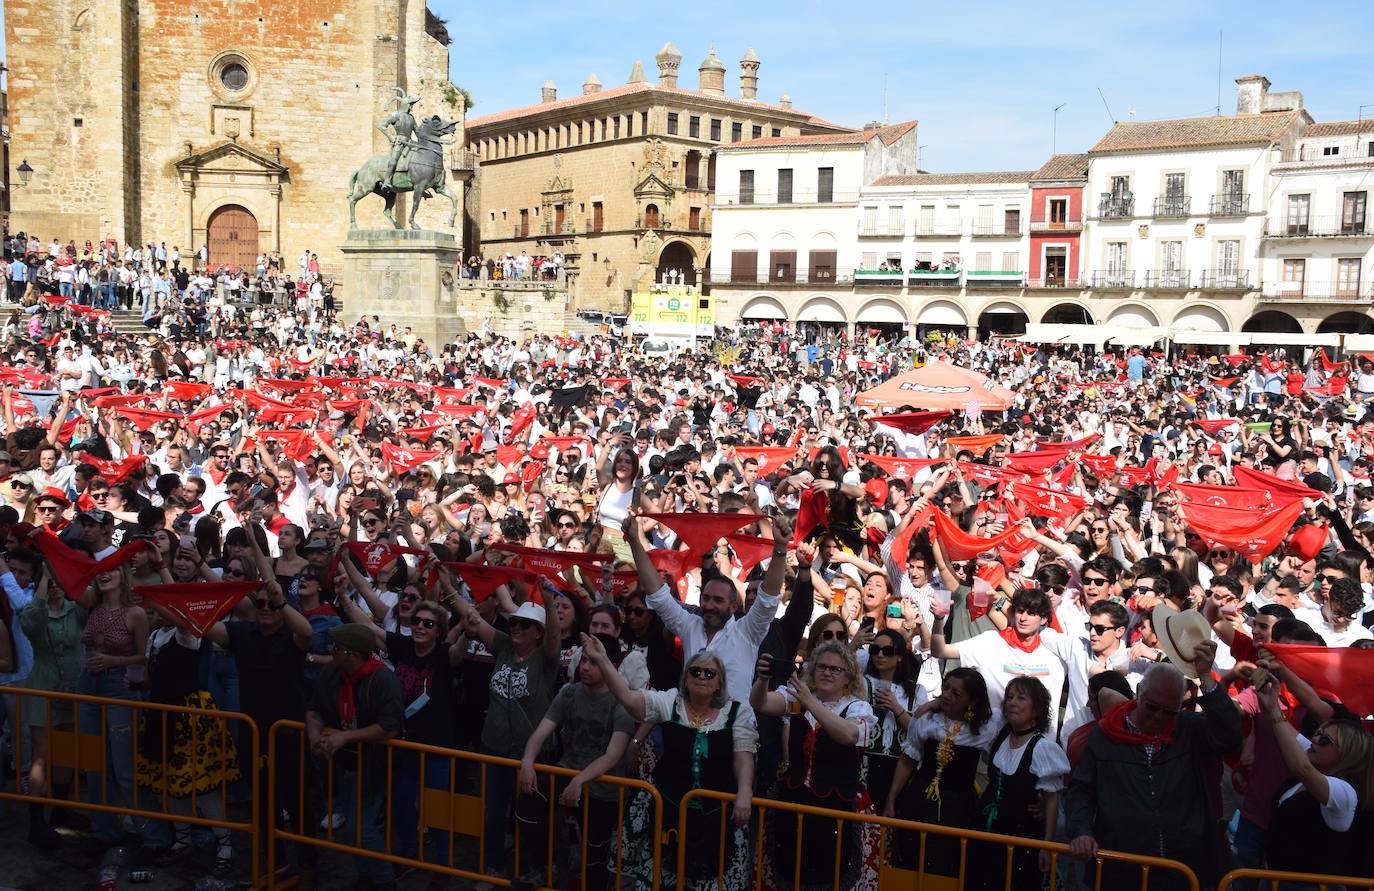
(890,876)
(450,811)
(87,755)
(1269,880)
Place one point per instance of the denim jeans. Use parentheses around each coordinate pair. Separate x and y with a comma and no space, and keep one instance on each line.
(223,684)
(373,800)
(496,817)
(118,720)
(64,289)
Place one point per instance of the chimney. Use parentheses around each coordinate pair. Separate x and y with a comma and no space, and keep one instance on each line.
(669,60)
(1250,92)
(785,101)
(549,93)
(591,85)
(749,75)
(711,75)
(636,73)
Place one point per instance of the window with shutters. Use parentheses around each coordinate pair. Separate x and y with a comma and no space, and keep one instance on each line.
(984,219)
(785,186)
(1348,276)
(672,123)
(869,260)
(1011,261)
(1298,215)
(1116,258)
(822,266)
(1353,213)
(777,133)
(744,266)
(1294,274)
(895,221)
(954,220)
(1059,211)
(524,222)
(925,222)
(736,132)
(694,219)
(715,129)
(1011,221)
(746,187)
(782,266)
(869,225)
(559,216)
(615,122)
(598,217)
(1228,263)
(825,185)
(756,132)
(982,261)
(694,126)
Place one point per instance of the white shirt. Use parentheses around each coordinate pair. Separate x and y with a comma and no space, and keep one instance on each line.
(1339,811)
(736,645)
(1048,762)
(1058,656)
(658,708)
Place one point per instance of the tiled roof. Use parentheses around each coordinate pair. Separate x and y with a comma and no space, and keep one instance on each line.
(888,135)
(1063,167)
(628,90)
(1340,128)
(1183,133)
(955,179)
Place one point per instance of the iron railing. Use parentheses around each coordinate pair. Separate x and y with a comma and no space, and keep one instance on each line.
(1173,207)
(997,230)
(1225,279)
(1168,279)
(1316,292)
(1229,205)
(1334,226)
(1116,208)
(1113,278)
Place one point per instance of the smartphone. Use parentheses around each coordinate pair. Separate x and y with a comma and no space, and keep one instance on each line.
(362,504)
(894,610)
(781,670)
(867,623)
(1145,510)
(405,495)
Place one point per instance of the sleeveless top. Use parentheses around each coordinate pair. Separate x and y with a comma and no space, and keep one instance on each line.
(696,759)
(108,632)
(1008,796)
(816,761)
(1300,841)
(614,507)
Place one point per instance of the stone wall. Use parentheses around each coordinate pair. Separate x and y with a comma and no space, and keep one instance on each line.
(321,73)
(515,309)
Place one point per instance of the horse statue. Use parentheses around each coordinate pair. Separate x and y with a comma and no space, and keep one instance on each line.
(420,169)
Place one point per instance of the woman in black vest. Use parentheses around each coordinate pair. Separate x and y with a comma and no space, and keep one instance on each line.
(947,741)
(1322,819)
(708,742)
(828,725)
(1026,771)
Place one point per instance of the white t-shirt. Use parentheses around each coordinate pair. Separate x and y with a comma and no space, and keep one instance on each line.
(999,662)
(1339,811)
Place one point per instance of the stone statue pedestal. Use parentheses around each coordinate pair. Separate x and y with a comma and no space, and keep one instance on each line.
(404,277)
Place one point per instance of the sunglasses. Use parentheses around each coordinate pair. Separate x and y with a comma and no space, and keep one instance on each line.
(834,634)
(702,673)
(232,573)
(1322,738)
(372,521)
(1219,555)
(409,597)
(521,624)
(1057,590)
(423,623)
(1094,581)
(1101,629)
(48,508)
(265,604)
(877,650)
(1325,577)
(567,525)
(1152,706)
(1140,589)
(18,485)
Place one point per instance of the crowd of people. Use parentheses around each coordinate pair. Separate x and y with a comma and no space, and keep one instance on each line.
(1129,612)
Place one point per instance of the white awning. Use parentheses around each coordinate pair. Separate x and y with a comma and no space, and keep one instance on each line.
(1131,317)
(1359,343)
(1133,336)
(1043,332)
(882,313)
(822,311)
(941,314)
(1286,338)
(764,308)
(1209,338)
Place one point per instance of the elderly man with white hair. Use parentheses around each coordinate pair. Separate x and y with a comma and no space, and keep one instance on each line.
(1147,781)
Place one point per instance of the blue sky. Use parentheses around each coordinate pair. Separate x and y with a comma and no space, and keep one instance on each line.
(982,78)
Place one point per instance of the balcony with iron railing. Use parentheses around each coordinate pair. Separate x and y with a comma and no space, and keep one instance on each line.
(881,230)
(994,278)
(1225,280)
(1173,207)
(1051,227)
(1116,208)
(933,278)
(1335,226)
(462,161)
(1055,281)
(948,229)
(997,230)
(810,278)
(1113,278)
(1229,205)
(1317,292)
(1167,279)
(759,196)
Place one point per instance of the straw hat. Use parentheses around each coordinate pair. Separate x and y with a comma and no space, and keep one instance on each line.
(1179,634)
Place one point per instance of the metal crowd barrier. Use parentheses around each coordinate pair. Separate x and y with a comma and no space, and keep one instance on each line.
(89,754)
(894,877)
(453,811)
(1274,880)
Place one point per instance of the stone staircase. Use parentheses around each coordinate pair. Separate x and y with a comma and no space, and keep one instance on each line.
(128,321)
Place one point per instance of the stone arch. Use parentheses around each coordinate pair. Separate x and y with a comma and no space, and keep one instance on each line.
(1272,321)
(882,311)
(1346,322)
(1004,317)
(744,241)
(1201,316)
(824,241)
(782,241)
(943,313)
(823,308)
(1069,312)
(677,256)
(1133,315)
(763,306)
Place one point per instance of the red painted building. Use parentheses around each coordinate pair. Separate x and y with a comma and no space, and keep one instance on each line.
(1056,227)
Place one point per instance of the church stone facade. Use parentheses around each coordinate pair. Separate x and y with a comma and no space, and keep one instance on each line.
(228,123)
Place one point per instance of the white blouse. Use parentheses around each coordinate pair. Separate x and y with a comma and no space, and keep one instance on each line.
(856,711)
(936,725)
(658,708)
(1048,762)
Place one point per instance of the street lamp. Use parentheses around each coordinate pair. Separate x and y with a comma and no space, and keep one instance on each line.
(25,173)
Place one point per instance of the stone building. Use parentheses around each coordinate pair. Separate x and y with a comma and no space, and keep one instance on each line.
(229,122)
(618,180)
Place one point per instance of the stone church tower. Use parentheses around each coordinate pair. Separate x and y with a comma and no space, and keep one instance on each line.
(232,123)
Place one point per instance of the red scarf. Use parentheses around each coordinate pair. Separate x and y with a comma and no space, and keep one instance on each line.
(348,709)
(1014,640)
(1114,725)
